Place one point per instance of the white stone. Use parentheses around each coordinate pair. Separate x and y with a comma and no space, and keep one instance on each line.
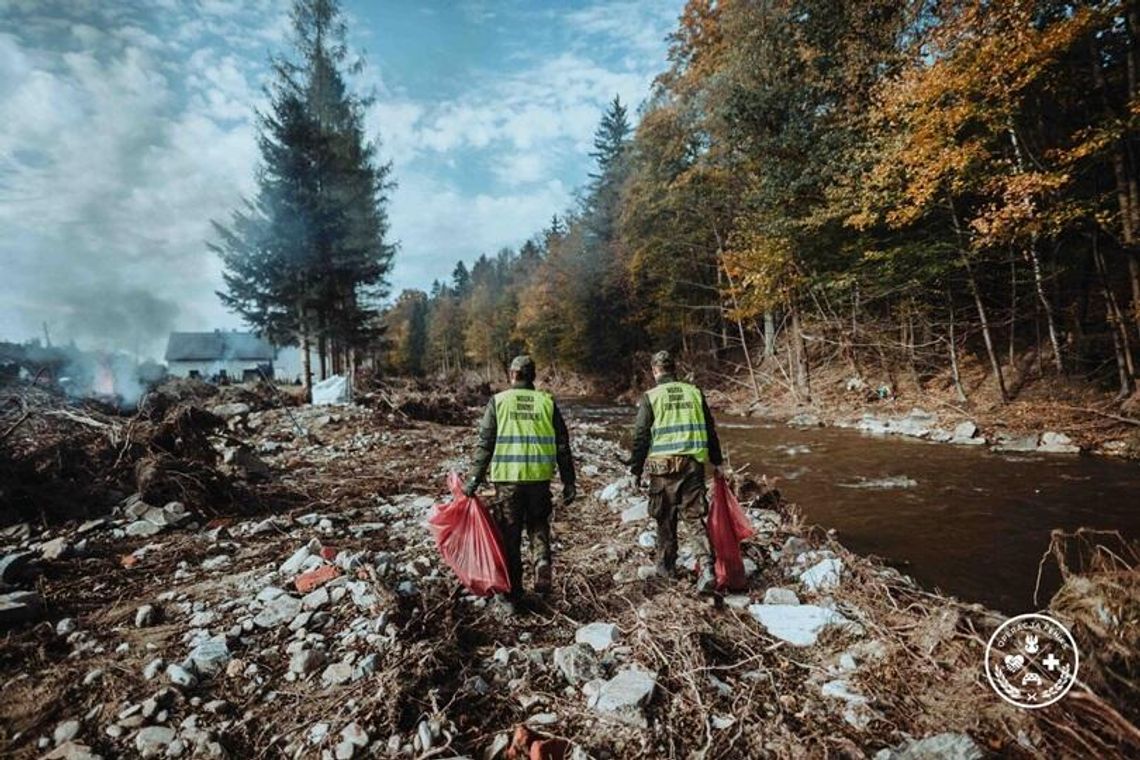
(216,563)
(738,601)
(355,735)
(639,510)
(777,595)
(306,662)
(210,656)
(337,673)
(599,636)
(65,731)
(142,528)
(964,431)
(822,576)
(152,741)
(153,668)
(65,627)
(315,599)
(799,625)
(1058,443)
(647,539)
(945,746)
(145,616)
(180,676)
(278,612)
(57,548)
(293,565)
(1024,443)
(624,696)
(840,689)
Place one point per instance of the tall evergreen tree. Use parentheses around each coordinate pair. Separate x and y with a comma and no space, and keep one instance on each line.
(309,257)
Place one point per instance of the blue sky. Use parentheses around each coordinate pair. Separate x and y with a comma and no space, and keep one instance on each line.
(126,125)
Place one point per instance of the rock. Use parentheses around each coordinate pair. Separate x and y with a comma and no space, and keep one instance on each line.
(65,626)
(738,601)
(616,490)
(577,663)
(65,731)
(625,696)
(946,746)
(964,431)
(145,616)
(645,572)
(354,735)
(17,567)
(216,563)
(799,624)
(278,612)
(242,460)
(153,740)
(1057,443)
(600,636)
(1024,443)
(777,595)
(317,732)
(647,539)
(152,668)
(368,665)
(918,423)
(211,656)
(225,411)
(72,751)
(424,735)
(57,548)
(306,662)
(337,673)
(293,565)
(344,750)
(840,689)
(314,600)
(497,747)
(638,511)
(93,676)
(142,528)
(180,676)
(20,607)
(805,420)
(822,576)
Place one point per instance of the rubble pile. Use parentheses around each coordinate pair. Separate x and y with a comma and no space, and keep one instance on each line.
(322,623)
(424,400)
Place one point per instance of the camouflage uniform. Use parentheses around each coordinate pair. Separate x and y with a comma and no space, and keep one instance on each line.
(676,488)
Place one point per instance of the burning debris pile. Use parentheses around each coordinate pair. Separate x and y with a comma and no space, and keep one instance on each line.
(326,625)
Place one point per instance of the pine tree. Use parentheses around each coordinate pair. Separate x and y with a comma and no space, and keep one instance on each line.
(309,257)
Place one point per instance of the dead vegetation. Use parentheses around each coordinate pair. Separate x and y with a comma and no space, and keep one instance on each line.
(429,671)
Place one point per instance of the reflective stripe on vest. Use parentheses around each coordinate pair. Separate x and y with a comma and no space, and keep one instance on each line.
(524,441)
(678,422)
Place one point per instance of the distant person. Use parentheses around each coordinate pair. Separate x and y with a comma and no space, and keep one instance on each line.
(673,438)
(521,437)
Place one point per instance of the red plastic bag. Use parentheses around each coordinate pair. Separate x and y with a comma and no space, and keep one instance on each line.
(728,526)
(469,541)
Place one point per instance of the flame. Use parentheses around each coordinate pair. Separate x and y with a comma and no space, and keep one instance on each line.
(104,384)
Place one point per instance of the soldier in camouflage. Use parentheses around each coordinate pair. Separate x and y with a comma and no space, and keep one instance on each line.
(674,437)
(521,437)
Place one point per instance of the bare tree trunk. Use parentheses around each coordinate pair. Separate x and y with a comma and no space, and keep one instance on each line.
(803,367)
(306,364)
(1012,309)
(952,343)
(740,329)
(1120,342)
(769,334)
(987,335)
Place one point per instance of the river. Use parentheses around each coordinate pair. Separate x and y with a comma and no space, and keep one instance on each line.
(964,520)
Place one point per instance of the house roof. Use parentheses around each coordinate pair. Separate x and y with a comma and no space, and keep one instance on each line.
(217,346)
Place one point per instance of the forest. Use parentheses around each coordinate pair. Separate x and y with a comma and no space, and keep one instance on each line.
(896,187)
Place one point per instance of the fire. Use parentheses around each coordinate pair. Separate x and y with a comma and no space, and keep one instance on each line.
(104,382)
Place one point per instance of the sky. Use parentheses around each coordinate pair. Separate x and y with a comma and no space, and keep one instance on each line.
(127,125)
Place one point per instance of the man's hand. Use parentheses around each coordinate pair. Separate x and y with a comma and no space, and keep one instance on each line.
(471,487)
(569,493)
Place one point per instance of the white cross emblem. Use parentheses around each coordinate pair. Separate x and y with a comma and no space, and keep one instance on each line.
(1051,662)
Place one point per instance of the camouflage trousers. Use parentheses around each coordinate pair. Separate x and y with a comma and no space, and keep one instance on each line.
(676,492)
(523,506)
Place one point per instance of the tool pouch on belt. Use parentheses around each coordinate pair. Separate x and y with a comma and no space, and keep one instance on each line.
(673,465)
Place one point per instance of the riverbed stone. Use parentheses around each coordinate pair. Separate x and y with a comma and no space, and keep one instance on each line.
(799,625)
(777,595)
(805,420)
(822,576)
(945,746)
(625,696)
(577,663)
(1017,445)
(599,636)
(152,741)
(211,656)
(278,612)
(1057,443)
(639,510)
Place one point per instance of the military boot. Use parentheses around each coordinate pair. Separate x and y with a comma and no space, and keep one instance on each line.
(542,577)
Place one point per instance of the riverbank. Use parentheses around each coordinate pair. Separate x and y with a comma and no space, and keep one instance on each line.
(1048,414)
(313,618)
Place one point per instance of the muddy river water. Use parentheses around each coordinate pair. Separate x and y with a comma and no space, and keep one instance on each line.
(961,519)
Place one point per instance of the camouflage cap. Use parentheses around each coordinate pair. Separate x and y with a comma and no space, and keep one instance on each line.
(523,364)
(663,360)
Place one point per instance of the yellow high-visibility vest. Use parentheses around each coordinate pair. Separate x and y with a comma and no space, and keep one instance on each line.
(524,441)
(678,422)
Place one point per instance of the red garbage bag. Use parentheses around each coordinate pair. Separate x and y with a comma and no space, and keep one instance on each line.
(728,526)
(469,541)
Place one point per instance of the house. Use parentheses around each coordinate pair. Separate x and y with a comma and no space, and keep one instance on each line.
(219,355)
